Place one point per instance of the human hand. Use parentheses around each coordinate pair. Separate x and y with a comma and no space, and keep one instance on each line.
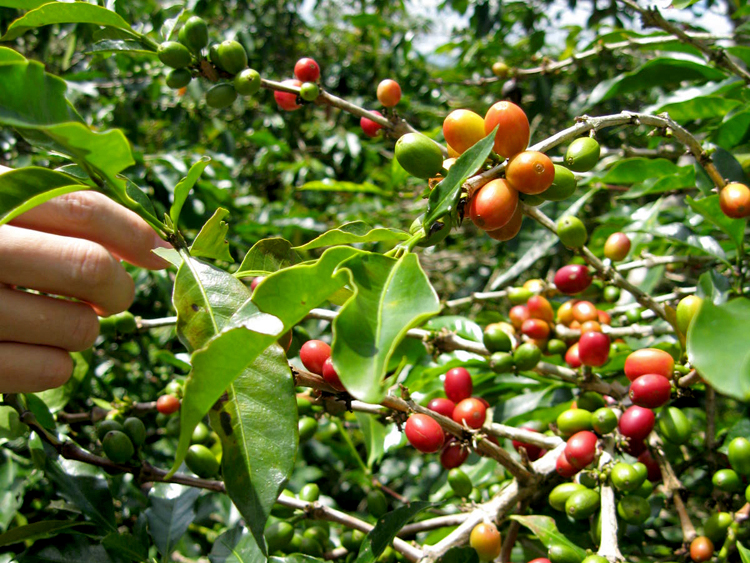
(70,246)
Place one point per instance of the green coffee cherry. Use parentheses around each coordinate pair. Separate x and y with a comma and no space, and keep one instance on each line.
(221,95)
(563,186)
(311,547)
(716,526)
(117,446)
(611,294)
(590,401)
(625,477)
(645,490)
(307,428)
(603,421)
(278,536)
(200,434)
(309,91)
(519,295)
(304,406)
(174,54)
(727,480)
(582,504)
(201,461)
(459,482)
(418,155)
(501,362)
(174,387)
(309,493)
(319,534)
(531,199)
(633,315)
(572,231)
(377,504)
(560,494)
(574,420)
(582,154)
(556,346)
(105,426)
(351,540)
(232,56)
(739,455)
(194,34)
(594,558)
(588,479)
(179,78)
(633,509)
(527,356)
(496,339)
(135,430)
(674,426)
(641,470)
(281,511)
(562,553)
(247,82)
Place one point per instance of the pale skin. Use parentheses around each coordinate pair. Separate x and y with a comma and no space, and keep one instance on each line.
(70,249)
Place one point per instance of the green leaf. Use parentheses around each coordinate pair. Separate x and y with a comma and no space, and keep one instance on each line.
(171,511)
(211,241)
(390,297)
(329,185)
(733,130)
(267,256)
(680,4)
(39,530)
(11,426)
(717,346)
(729,167)
(125,545)
(41,412)
(459,325)
(744,553)
(659,71)
(545,529)
(713,286)
(183,187)
(684,178)
(24,188)
(638,169)
(374,437)
(354,232)
(445,196)
(237,546)
(258,430)
(9,55)
(709,208)
(386,529)
(464,554)
(23,4)
(75,548)
(119,46)
(699,107)
(59,12)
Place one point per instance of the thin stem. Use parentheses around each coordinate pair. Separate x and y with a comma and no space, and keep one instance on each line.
(608,546)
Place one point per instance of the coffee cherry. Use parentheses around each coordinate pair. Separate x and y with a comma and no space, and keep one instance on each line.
(734,200)
(739,455)
(611,294)
(636,423)
(313,354)
(309,91)
(167,404)
(727,480)
(519,295)
(633,315)
(117,446)
(278,536)
(594,558)
(256,282)
(370,127)
(563,185)
(625,478)
(603,420)
(201,461)
(584,311)
(232,56)
(562,553)
(572,357)
(716,526)
(493,205)
(530,172)
(649,360)
(495,339)
(572,279)
(564,467)
(453,455)
(307,70)
(501,362)
(590,401)
(310,546)
(200,434)
(309,493)
(650,390)
(174,54)
(106,426)
(582,504)
(571,231)
(377,504)
(510,229)
(532,452)
(135,430)
(485,539)
(500,69)
(442,406)
(561,493)
(617,247)
(458,384)
(331,376)
(351,540)
(593,349)
(179,78)
(472,412)
(580,449)
(687,308)
(582,154)
(540,308)
(307,427)
(556,346)
(701,549)
(633,509)
(652,466)
(419,155)
(536,329)
(221,95)
(424,433)
(459,482)
(527,356)
(463,129)
(287,100)
(518,315)
(513,133)
(247,82)
(194,34)
(389,92)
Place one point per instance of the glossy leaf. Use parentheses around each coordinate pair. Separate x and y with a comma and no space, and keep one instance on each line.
(374,437)
(638,169)
(74,548)
(211,241)
(59,12)
(733,130)
(257,425)
(461,326)
(9,55)
(236,545)
(709,208)
(683,178)
(698,107)
(329,185)
(390,297)
(464,554)
(39,530)
(183,187)
(545,529)
(354,232)
(445,196)
(120,46)
(267,256)
(125,545)
(717,346)
(171,511)
(744,553)
(386,529)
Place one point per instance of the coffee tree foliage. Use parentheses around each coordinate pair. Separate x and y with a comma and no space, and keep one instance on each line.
(322,212)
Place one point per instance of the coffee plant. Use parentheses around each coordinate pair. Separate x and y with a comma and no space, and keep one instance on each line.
(482,303)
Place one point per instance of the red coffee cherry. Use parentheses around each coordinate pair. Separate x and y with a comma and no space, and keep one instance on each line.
(424,433)
(563,467)
(540,308)
(286,100)
(593,349)
(530,172)
(307,70)
(256,282)
(540,560)
(650,391)
(636,423)
(652,466)
(649,360)
(493,205)
(513,131)
(314,354)
(369,127)
(458,385)
(580,449)
(591,326)
(572,279)
(389,93)
(453,455)
(572,358)
(617,247)
(585,311)
(701,548)
(510,229)
(470,411)
(331,376)
(536,329)
(734,200)
(635,447)
(533,452)
(167,404)
(604,317)
(518,314)
(442,406)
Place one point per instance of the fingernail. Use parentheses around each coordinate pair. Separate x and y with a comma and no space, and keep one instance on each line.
(160,242)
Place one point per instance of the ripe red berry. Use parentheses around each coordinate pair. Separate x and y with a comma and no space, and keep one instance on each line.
(563,467)
(593,349)
(470,411)
(635,447)
(617,247)
(167,404)
(453,455)
(307,70)
(734,200)
(513,130)
(649,360)
(256,282)
(580,449)
(314,354)
(286,100)
(533,452)
(518,314)
(442,406)
(652,466)
(458,385)
(369,127)
(331,376)
(540,308)
(701,549)
(650,391)
(572,358)
(389,92)
(572,279)
(536,329)
(636,423)
(424,433)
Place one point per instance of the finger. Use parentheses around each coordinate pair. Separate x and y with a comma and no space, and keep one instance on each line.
(65,266)
(97,218)
(25,368)
(37,319)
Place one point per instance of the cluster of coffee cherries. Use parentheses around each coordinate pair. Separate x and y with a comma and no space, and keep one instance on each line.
(389,95)
(315,355)
(307,79)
